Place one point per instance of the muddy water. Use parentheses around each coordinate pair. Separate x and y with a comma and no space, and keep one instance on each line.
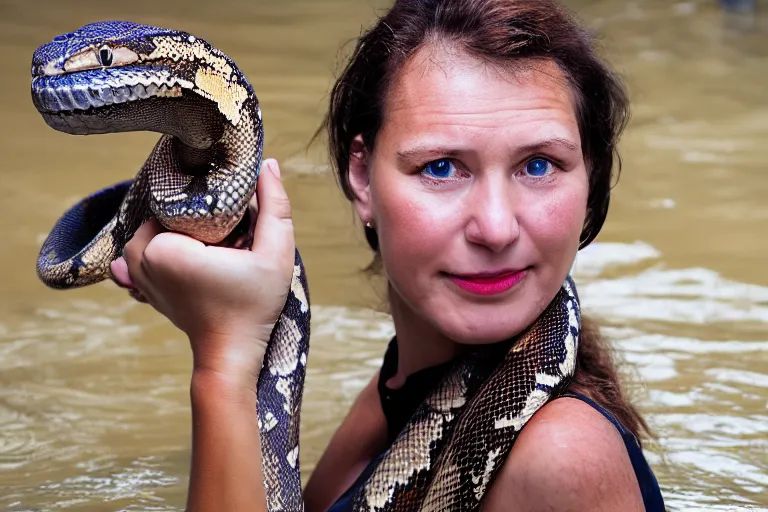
(94,388)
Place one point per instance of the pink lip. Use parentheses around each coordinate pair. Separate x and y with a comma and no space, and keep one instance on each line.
(489,283)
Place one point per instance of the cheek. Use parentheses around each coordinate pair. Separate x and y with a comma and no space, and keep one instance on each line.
(402,219)
(412,228)
(556,222)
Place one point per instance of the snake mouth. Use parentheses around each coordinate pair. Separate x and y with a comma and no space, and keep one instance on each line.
(127,99)
(85,102)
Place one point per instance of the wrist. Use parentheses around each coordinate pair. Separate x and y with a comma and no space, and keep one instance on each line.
(228,365)
(209,385)
(229,356)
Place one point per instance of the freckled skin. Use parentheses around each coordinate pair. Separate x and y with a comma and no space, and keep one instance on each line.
(491,215)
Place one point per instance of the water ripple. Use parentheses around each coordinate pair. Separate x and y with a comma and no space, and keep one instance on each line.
(75,430)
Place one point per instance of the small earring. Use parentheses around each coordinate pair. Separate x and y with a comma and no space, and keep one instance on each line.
(368,224)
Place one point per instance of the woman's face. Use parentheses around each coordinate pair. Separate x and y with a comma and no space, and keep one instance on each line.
(477,188)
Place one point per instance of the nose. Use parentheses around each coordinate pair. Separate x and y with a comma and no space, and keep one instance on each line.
(493,213)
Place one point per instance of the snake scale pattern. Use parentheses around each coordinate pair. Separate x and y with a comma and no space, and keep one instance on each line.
(117,76)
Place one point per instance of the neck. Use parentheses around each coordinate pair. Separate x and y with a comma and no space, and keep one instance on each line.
(419,344)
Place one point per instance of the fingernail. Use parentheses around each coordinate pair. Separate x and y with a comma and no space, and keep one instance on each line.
(120,274)
(271,163)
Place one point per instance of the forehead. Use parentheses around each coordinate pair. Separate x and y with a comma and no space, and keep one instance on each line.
(440,80)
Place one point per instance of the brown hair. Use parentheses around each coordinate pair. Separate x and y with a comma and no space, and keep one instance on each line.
(598,378)
(501,32)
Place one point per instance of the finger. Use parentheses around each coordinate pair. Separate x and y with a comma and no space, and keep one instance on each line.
(171,253)
(119,271)
(142,237)
(274,225)
(134,250)
(119,274)
(245,239)
(253,206)
(137,296)
(271,195)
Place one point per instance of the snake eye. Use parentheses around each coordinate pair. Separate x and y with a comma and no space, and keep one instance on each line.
(91,58)
(105,56)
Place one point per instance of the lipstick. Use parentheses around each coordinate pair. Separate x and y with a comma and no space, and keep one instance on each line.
(488,283)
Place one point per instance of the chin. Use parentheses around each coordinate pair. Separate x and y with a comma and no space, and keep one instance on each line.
(471,323)
(482,330)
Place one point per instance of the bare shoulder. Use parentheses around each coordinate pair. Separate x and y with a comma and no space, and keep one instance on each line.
(568,457)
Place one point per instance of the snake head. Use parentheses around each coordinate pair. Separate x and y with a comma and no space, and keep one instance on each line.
(98,66)
(103,44)
(106,77)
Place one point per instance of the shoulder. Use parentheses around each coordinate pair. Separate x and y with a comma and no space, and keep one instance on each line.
(568,457)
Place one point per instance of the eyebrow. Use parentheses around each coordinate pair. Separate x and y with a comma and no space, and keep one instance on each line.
(550,143)
(426,152)
(429,151)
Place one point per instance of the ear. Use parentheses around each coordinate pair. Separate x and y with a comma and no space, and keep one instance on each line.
(360,179)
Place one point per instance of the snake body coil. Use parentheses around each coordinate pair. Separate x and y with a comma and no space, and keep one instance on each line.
(120,76)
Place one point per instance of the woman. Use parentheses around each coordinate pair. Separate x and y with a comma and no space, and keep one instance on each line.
(476,140)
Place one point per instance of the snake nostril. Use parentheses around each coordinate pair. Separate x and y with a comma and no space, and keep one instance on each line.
(62,38)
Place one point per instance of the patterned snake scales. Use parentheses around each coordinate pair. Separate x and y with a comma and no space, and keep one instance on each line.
(120,76)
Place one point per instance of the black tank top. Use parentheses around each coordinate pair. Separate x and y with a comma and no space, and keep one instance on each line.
(400,404)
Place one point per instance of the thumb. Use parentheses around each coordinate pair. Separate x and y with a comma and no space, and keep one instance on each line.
(274,224)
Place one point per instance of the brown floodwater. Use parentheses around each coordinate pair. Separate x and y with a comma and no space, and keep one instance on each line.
(94,411)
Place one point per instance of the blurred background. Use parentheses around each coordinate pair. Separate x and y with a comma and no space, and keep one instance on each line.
(94,408)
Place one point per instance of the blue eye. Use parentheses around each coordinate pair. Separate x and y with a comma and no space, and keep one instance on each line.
(439,169)
(538,167)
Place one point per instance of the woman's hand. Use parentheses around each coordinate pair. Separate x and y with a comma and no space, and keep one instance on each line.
(226,300)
